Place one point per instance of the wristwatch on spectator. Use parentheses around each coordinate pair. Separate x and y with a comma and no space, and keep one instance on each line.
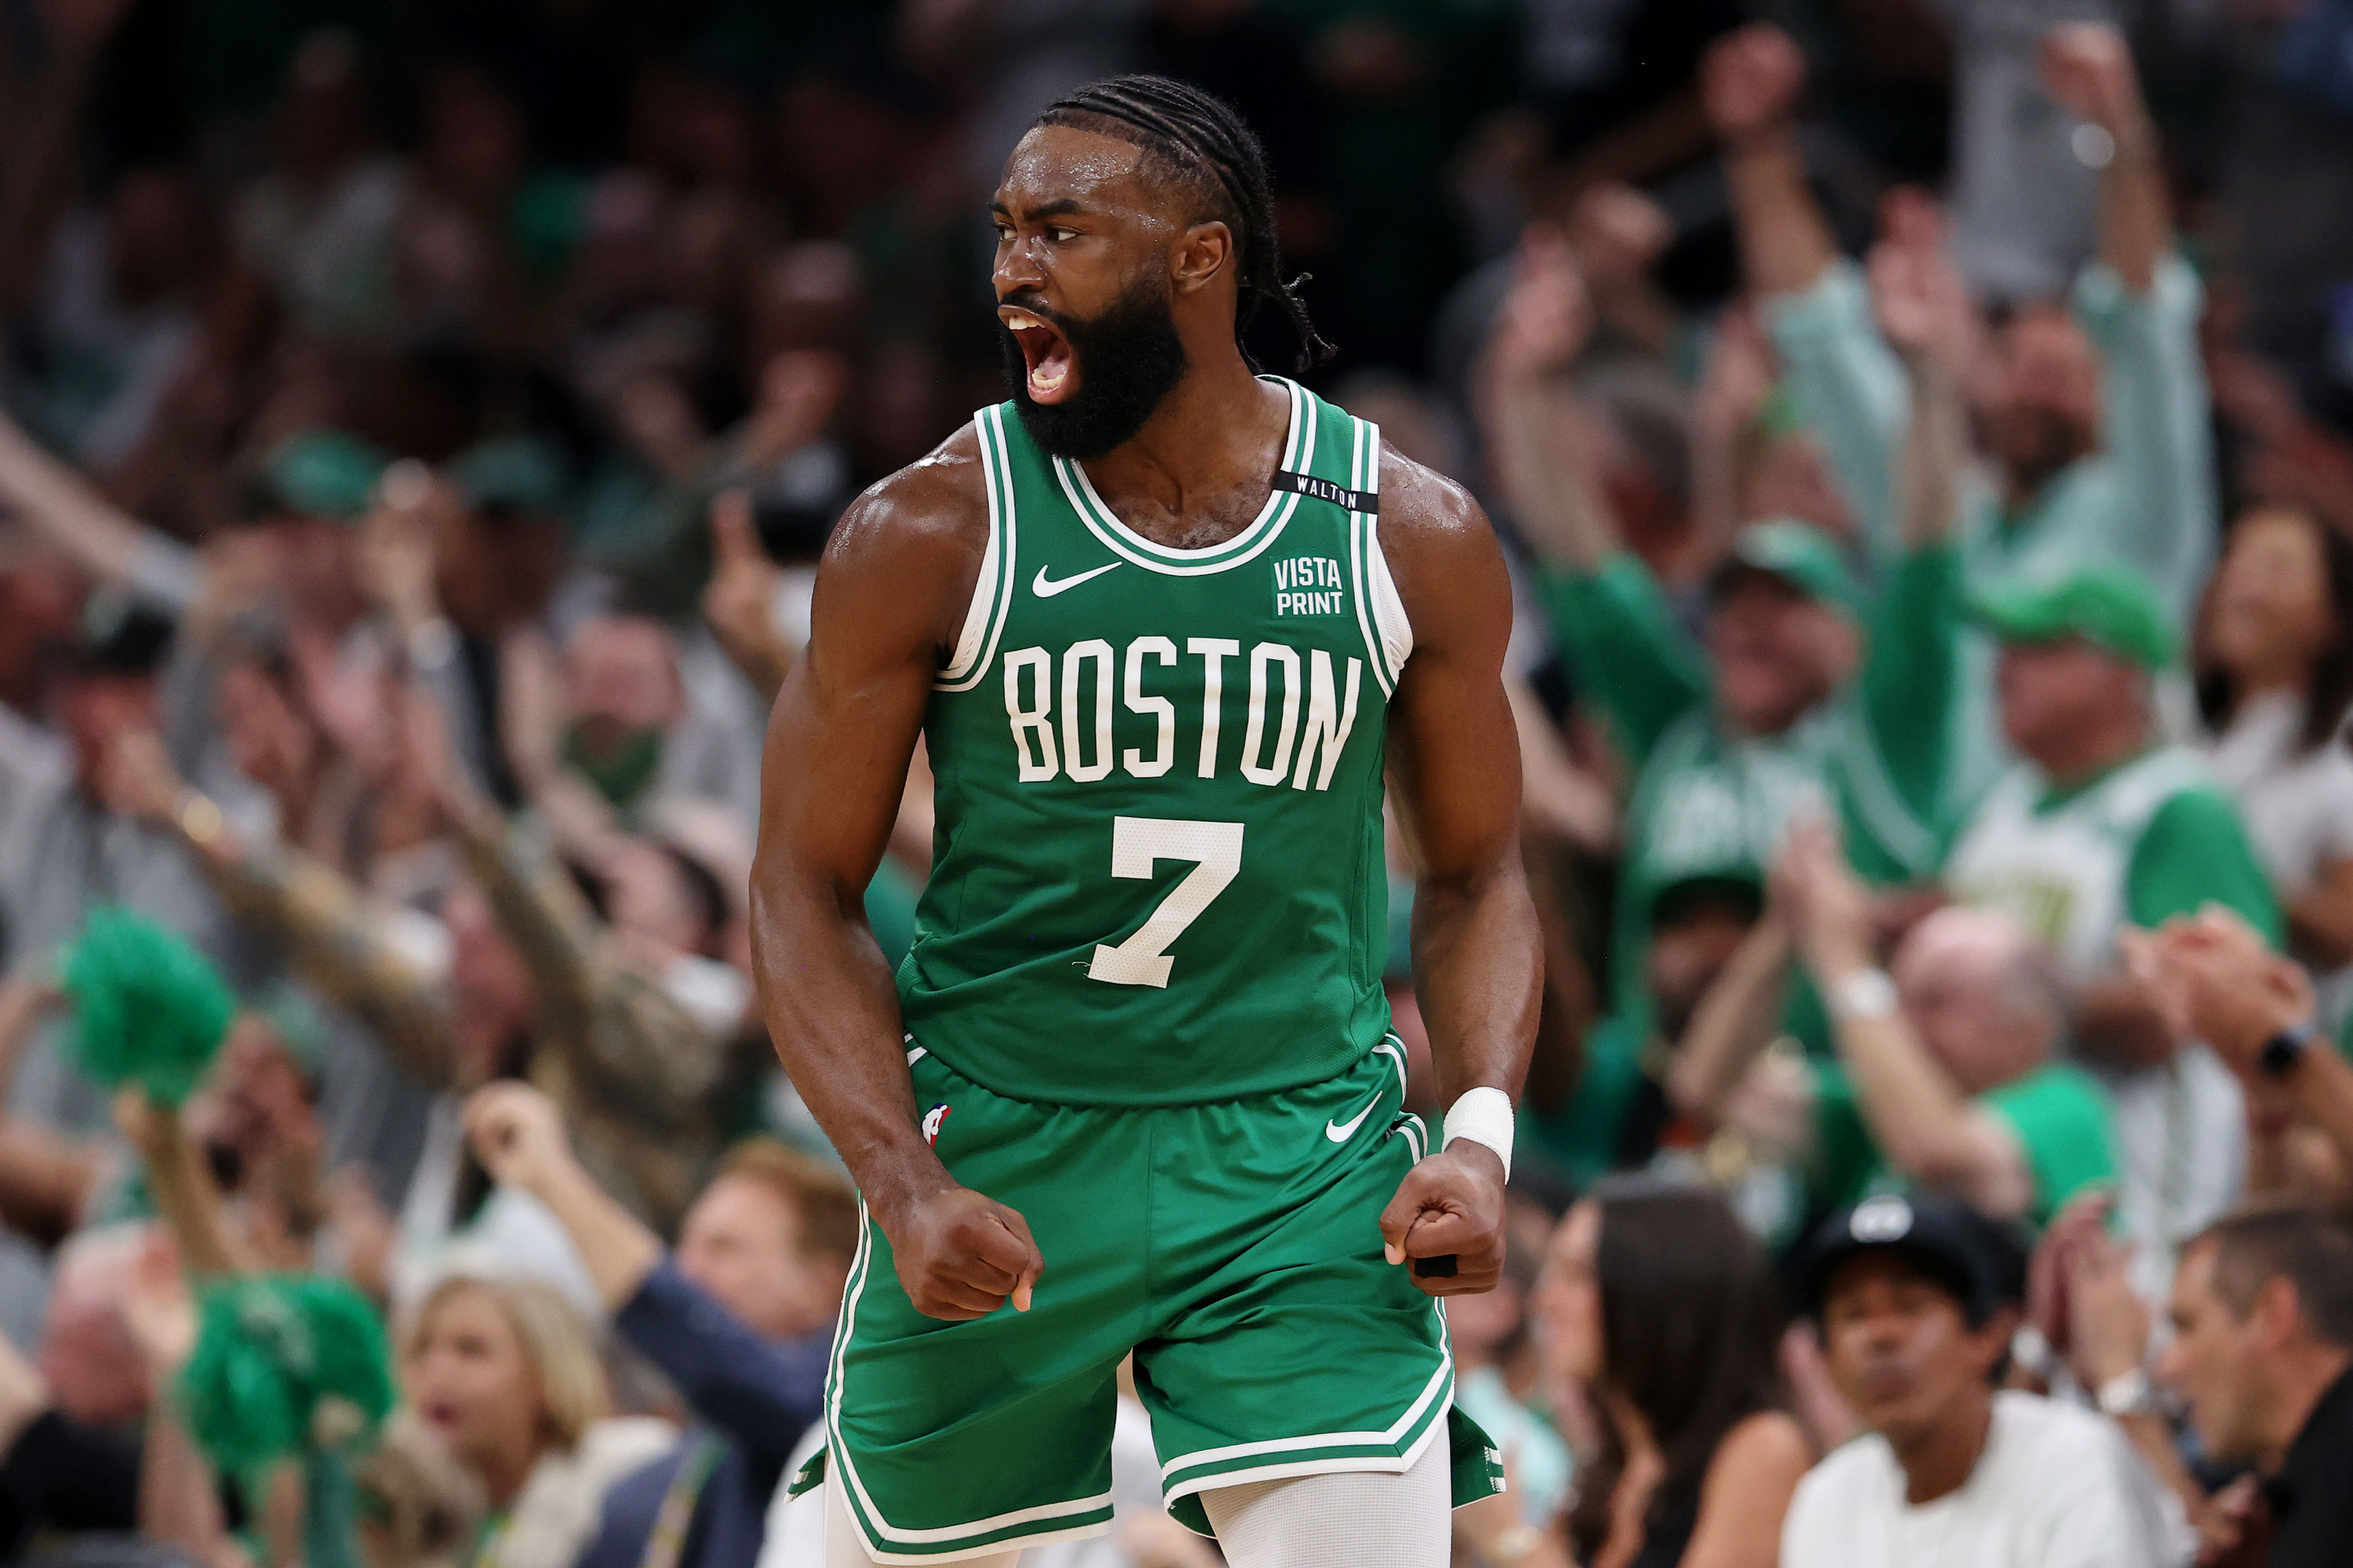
(1865,995)
(2126,1394)
(2284,1050)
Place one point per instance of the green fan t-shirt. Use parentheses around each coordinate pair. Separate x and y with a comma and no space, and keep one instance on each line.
(1708,802)
(2058,1112)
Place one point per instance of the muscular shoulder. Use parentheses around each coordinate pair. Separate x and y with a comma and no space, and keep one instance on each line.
(1423,511)
(1442,553)
(914,540)
(937,503)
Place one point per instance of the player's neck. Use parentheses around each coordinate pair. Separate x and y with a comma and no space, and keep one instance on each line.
(1218,432)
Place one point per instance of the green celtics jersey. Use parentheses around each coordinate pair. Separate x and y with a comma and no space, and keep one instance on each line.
(1157,875)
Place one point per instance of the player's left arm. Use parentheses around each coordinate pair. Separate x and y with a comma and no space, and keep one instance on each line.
(1454,778)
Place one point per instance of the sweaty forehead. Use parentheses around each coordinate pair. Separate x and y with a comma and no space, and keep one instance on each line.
(1097,172)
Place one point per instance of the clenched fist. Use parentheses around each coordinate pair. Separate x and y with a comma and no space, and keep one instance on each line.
(961,1256)
(1451,1204)
(518,1134)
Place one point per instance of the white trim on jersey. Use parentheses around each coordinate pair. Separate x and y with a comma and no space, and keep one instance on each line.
(992,592)
(1381,614)
(1174,1484)
(839,1466)
(1388,608)
(1397,1429)
(1248,545)
(1359,532)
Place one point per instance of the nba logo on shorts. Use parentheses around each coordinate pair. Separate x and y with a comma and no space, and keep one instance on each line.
(932,1120)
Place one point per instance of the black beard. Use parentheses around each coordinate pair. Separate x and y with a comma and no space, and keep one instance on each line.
(2054,443)
(1128,358)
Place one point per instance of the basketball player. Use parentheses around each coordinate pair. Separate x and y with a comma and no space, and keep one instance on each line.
(1166,626)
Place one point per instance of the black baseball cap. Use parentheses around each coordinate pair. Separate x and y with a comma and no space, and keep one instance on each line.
(119,635)
(1738,889)
(1942,1237)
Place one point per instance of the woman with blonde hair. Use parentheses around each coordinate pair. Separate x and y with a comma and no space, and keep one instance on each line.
(507,1372)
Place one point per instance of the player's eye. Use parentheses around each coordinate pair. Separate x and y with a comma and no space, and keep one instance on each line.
(1059,234)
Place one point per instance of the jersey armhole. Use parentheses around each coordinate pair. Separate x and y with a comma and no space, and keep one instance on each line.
(1393,631)
(1388,610)
(985,617)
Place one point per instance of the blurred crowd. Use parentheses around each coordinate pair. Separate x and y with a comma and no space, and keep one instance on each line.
(1922,435)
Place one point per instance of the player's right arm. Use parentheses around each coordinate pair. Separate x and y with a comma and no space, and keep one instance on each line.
(891,592)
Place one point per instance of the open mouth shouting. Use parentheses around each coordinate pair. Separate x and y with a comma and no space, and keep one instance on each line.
(1051,370)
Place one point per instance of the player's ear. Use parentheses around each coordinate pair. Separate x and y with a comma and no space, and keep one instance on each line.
(1201,253)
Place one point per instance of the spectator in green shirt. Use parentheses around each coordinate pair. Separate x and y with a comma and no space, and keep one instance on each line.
(1947,1072)
(1799,696)
(2094,421)
(2100,828)
(2101,825)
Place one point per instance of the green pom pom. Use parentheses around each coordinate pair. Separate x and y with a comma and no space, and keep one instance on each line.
(285,1364)
(150,1010)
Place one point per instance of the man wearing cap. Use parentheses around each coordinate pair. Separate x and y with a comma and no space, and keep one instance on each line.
(312,489)
(71,850)
(324,476)
(1915,1304)
(2094,415)
(1797,697)
(2100,826)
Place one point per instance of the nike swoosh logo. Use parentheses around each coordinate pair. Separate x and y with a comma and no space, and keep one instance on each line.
(1340,1131)
(1046,588)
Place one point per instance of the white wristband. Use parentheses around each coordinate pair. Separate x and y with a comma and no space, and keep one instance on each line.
(1866,995)
(1484,1116)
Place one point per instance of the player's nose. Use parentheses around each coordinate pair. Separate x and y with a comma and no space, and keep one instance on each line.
(1018,268)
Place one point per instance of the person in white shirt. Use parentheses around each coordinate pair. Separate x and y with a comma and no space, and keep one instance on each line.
(2274,680)
(1950,1473)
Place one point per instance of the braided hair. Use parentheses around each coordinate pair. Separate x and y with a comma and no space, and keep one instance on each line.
(1202,143)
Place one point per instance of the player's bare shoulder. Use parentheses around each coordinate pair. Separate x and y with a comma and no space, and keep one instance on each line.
(908,549)
(1442,553)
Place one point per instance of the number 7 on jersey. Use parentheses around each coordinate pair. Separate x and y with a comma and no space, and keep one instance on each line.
(1137,845)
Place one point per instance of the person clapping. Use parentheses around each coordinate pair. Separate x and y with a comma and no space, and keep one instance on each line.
(740,1317)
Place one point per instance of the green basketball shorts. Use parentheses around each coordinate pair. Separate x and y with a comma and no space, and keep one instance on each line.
(1235,1247)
